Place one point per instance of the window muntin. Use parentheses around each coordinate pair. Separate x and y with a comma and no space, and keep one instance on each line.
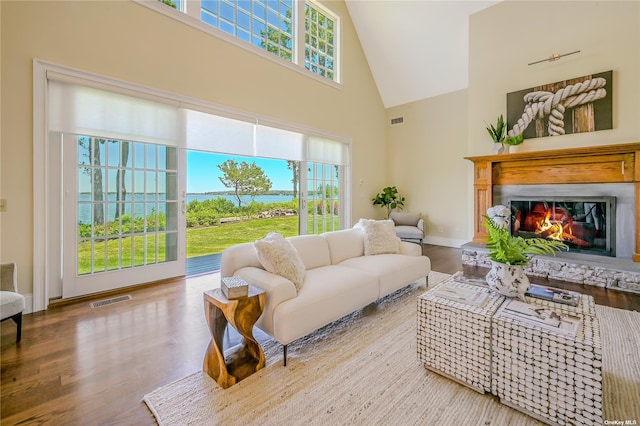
(274,25)
(267,24)
(319,37)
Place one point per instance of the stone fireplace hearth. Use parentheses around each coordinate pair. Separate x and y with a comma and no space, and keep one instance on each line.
(604,171)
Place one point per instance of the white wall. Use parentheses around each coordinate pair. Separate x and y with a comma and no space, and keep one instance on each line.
(503,39)
(127,41)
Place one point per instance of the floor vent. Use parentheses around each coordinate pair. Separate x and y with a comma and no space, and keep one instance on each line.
(111,301)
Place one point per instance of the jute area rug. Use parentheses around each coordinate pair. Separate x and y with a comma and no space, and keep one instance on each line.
(364,369)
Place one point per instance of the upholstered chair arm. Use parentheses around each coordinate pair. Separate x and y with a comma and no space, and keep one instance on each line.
(420,225)
(9,277)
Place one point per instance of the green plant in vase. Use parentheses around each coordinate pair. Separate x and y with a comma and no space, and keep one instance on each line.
(389,198)
(510,254)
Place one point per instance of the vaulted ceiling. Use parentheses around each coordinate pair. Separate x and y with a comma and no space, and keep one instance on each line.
(416,49)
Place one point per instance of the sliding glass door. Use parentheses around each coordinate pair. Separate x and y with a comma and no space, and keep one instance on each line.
(123,220)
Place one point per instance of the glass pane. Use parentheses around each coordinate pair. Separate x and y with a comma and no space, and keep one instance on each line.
(126,259)
(84,257)
(99,247)
(259,11)
(227,12)
(151,218)
(171,216)
(151,249)
(138,155)
(162,247)
(210,5)
(138,250)
(245,5)
(113,247)
(162,157)
(138,220)
(113,153)
(97,152)
(171,246)
(151,156)
(227,27)
(84,156)
(244,21)
(171,186)
(209,19)
(244,35)
(138,183)
(151,187)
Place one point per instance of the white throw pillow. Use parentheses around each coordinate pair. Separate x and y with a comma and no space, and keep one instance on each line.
(379,237)
(279,256)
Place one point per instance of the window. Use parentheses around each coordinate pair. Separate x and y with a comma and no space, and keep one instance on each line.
(298,31)
(319,49)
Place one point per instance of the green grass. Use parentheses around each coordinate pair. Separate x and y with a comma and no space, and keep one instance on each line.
(200,242)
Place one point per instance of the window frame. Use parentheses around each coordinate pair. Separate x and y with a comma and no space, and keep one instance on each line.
(191,16)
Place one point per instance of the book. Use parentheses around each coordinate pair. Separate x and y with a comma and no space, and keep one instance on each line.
(554,294)
(234,287)
(458,292)
(545,317)
(475,279)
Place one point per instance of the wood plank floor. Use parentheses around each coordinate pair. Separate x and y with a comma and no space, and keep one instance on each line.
(78,365)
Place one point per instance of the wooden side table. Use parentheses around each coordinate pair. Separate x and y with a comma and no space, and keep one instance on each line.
(242,313)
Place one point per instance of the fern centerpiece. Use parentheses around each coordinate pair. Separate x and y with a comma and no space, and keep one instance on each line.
(510,254)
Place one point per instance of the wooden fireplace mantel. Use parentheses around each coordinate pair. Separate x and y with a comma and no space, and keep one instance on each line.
(598,164)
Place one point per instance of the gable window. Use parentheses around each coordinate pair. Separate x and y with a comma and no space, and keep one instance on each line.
(301,32)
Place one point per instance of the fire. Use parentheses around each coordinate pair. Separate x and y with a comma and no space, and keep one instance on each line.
(554,231)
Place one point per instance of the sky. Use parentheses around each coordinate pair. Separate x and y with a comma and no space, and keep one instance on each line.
(203,173)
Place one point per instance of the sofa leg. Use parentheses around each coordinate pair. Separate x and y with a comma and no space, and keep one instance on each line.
(284,347)
(17,318)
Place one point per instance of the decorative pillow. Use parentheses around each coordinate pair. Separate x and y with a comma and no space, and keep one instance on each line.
(279,256)
(379,237)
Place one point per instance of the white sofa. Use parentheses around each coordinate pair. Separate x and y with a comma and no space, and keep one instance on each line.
(338,279)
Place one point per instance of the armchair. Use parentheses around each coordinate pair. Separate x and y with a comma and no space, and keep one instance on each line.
(12,303)
(409,226)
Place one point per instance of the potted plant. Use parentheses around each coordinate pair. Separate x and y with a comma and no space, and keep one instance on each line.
(499,135)
(510,254)
(389,198)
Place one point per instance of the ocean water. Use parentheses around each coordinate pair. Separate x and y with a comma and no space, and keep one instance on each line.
(144,206)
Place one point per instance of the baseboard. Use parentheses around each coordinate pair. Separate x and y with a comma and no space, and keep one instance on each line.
(447,242)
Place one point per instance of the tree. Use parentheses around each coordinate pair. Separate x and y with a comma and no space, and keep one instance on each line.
(121,190)
(294,166)
(244,179)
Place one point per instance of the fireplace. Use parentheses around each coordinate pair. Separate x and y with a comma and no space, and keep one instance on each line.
(585,224)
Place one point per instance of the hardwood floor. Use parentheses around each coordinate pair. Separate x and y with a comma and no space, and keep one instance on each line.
(78,365)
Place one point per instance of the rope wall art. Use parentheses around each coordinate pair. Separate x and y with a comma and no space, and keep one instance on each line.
(577,105)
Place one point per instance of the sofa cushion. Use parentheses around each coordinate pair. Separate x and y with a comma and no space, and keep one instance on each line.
(394,271)
(405,218)
(279,256)
(379,237)
(345,244)
(313,250)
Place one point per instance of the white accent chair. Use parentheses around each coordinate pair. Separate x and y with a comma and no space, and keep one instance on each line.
(409,226)
(12,303)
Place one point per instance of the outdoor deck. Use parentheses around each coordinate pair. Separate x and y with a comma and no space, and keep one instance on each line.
(203,264)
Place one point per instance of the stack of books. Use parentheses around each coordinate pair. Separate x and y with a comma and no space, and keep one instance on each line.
(547,318)
(234,287)
(554,294)
(459,292)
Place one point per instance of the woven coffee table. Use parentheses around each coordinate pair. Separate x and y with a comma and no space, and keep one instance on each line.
(551,376)
(454,338)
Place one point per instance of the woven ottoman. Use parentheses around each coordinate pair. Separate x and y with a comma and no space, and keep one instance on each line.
(454,338)
(551,376)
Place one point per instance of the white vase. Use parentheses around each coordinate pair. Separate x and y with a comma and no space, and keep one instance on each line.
(508,280)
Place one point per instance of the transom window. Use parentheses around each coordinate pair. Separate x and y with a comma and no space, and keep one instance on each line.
(299,31)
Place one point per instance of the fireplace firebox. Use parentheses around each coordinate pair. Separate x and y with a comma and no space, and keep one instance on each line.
(585,224)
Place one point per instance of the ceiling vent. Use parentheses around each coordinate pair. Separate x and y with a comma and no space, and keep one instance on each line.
(397,120)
